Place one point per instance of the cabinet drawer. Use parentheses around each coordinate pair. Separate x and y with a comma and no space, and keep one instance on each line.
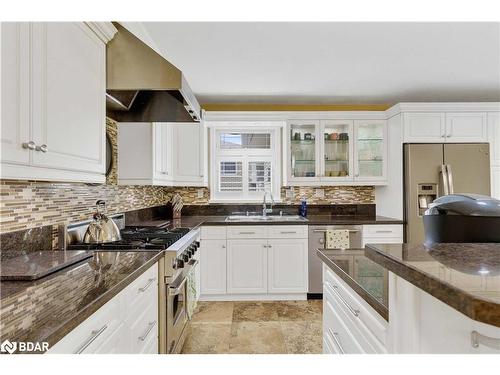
(246,231)
(142,292)
(287,231)
(367,320)
(379,231)
(213,233)
(94,332)
(144,329)
(337,333)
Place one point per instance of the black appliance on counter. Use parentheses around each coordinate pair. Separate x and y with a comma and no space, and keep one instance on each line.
(462,218)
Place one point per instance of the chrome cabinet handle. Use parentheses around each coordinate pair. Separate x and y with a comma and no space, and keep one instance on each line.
(42,148)
(490,342)
(383,231)
(334,336)
(151,325)
(29,145)
(334,289)
(246,232)
(289,232)
(148,284)
(93,337)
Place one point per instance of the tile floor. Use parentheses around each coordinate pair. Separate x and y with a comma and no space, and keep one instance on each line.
(284,327)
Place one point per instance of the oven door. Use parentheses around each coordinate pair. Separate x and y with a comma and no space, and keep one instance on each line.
(176,313)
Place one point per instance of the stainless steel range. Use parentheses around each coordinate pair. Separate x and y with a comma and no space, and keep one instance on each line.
(178,269)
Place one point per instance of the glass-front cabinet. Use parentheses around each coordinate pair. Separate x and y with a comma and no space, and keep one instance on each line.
(304,151)
(370,162)
(329,152)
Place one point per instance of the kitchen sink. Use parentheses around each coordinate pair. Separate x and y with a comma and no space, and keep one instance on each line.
(265,218)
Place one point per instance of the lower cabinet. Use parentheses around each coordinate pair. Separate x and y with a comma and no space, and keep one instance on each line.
(213,266)
(242,262)
(247,266)
(128,323)
(350,325)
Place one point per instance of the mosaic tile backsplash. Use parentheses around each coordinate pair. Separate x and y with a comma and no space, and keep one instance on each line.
(31,204)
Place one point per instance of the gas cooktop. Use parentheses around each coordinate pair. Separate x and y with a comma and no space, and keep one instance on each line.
(137,238)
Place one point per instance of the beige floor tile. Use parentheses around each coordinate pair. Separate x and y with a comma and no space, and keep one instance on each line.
(303,337)
(218,312)
(300,310)
(256,338)
(207,338)
(255,311)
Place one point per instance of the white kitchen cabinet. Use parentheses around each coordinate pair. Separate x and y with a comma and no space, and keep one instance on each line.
(128,323)
(189,146)
(422,127)
(166,154)
(336,152)
(370,151)
(494,139)
(287,266)
(213,266)
(63,134)
(382,234)
(466,127)
(247,266)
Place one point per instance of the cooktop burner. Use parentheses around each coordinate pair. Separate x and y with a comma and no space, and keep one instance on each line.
(137,238)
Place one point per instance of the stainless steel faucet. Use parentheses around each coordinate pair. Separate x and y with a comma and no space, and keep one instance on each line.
(266,210)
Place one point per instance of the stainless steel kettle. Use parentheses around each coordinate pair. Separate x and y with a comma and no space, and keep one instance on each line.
(102,229)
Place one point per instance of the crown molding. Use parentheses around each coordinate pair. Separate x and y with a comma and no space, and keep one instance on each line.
(104,30)
(443,107)
(289,115)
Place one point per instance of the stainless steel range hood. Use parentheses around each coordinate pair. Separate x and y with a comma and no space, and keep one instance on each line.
(141,86)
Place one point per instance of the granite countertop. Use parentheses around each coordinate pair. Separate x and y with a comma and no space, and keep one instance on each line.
(49,308)
(195,221)
(367,278)
(465,276)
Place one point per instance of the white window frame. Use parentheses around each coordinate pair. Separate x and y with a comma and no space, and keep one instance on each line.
(218,155)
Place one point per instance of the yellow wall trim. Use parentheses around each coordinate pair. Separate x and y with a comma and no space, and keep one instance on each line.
(295,107)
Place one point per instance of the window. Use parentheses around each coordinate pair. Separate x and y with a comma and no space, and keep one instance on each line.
(245,163)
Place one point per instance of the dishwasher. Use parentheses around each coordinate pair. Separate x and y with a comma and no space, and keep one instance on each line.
(317,241)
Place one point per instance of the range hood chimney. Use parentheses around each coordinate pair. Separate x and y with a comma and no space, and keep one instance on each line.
(141,86)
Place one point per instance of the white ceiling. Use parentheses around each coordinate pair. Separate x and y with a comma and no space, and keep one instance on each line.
(329,63)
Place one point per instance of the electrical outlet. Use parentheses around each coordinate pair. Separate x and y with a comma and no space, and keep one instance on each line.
(319,193)
(200,193)
(289,193)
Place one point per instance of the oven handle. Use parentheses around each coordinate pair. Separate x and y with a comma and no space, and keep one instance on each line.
(176,289)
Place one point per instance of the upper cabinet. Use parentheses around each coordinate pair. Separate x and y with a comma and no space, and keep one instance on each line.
(166,154)
(53,101)
(440,127)
(336,152)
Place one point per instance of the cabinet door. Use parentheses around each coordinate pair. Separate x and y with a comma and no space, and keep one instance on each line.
(337,150)
(303,151)
(495,182)
(287,266)
(466,127)
(494,137)
(188,143)
(68,107)
(424,127)
(15,126)
(370,150)
(162,152)
(213,266)
(247,266)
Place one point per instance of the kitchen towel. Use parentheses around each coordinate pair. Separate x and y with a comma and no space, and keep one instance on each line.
(337,239)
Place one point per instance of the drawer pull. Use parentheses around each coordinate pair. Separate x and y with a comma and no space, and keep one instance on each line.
(151,325)
(334,289)
(94,335)
(288,232)
(490,342)
(149,283)
(383,231)
(246,232)
(334,336)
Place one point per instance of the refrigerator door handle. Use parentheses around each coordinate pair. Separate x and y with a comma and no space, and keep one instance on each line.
(444,179)
(450,179)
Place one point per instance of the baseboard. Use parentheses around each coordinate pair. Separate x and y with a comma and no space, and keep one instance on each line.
(314,295)
(254,297)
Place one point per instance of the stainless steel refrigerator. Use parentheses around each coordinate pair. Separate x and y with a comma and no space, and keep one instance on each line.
(433,170)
